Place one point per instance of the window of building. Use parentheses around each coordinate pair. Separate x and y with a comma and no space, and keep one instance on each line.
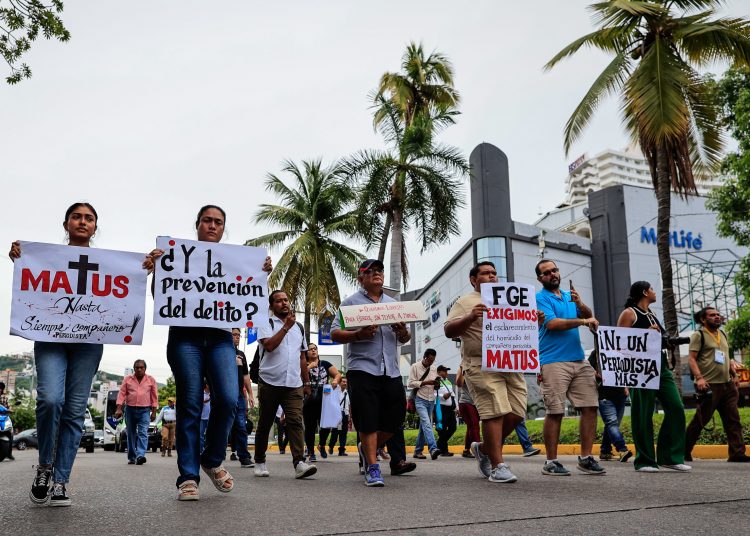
(493,249)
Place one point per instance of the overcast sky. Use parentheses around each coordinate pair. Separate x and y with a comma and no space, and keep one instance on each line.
(156,108)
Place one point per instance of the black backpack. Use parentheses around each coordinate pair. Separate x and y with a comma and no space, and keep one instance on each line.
(258,357)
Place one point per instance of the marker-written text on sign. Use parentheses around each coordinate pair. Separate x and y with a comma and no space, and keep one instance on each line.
(510,335)
(354,316)
(210,285)
(629,357)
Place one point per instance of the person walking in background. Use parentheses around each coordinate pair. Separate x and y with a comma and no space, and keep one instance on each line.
(244,401)
(283,380)
(468,413)
(319,372)
(446,397)
(716,382)
(565,371)
(6,404)
(422,380)
(523,438)
(168,419)
(611,408)
(340,432)
(281,438)
(670,448)
(138,394)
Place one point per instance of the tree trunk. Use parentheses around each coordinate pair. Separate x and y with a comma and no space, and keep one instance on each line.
(397,240)
(384,236)
(664,203)
(307,321)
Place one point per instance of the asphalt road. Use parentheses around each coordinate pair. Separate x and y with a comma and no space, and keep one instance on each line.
(446,496)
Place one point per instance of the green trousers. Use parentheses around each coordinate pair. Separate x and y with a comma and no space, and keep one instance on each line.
(670,447)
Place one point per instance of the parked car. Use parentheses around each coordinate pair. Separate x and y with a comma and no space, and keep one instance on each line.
(87,438)
(121,437)
(98,438)
(26,439)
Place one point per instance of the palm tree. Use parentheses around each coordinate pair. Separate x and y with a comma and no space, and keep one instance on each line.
(411,184)
(316,222)
(666,104)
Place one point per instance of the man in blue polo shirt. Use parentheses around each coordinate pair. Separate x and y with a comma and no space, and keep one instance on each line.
(565,372)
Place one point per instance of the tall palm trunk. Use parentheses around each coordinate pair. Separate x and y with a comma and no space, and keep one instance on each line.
(307,320)
(664,204)
(397,241)
(384,236)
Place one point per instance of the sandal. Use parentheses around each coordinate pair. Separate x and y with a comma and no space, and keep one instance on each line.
(187,491)
(219,481)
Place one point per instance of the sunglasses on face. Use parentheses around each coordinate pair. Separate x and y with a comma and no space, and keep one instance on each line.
(551,271)
(371,271)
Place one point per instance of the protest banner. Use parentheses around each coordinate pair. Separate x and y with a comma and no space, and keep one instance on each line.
(356,316)
(78,295)
(510,334)
(629,357)
(210,285)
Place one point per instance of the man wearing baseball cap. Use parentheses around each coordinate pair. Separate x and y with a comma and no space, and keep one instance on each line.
(447,398)
(378,401)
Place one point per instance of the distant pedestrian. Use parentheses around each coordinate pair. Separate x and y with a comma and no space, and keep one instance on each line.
(139,396)
(468,413)
(670,448)
(320,372)
(422,379)
(340,432)
(523,438)
(6,403)
(377,394)
(244,401)
(283,381)
(611,408)
(167,417)
(565,371)
(500,397)
(446,397)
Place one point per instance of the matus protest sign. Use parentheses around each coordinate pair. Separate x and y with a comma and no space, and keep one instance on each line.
(205,284)
(629,357)
(81,295)
(356,316)
(510,335)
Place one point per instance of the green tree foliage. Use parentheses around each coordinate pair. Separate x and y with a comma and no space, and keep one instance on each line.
(165,391)
(667,105)
(24,417)
(415,183)
(732,200)
(21,22)
(97,417)
(316,222)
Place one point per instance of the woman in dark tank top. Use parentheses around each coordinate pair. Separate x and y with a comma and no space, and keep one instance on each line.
(670,449)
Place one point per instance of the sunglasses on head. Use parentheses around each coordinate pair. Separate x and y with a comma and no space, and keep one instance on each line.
(550,271)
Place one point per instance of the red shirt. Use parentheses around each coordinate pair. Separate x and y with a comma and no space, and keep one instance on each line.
(138,394)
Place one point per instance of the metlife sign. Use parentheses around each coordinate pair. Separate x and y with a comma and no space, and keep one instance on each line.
(677,239)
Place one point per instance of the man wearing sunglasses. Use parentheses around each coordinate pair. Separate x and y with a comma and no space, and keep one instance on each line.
(565,372)
(378,401)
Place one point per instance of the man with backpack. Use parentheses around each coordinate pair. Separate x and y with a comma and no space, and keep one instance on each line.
(715,384)
(283,380)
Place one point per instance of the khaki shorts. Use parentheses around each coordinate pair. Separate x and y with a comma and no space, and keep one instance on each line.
(574,380)
(496,393)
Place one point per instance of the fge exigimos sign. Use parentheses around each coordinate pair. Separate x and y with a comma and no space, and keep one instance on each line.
(510,334)
(72,294)
(205,284)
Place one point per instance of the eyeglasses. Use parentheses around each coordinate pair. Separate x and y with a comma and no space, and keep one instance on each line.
(551,271)
(372,271)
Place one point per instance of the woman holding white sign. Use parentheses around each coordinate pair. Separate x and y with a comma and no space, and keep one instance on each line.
(194,353)
(64,375)
(670,448)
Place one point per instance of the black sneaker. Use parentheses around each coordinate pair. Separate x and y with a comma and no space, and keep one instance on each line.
(233,457)
(40,486)
(247,463)
(140,460)
(589,465)
(58,497)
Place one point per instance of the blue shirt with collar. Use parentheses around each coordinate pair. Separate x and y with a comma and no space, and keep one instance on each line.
(377,356)
(558,346)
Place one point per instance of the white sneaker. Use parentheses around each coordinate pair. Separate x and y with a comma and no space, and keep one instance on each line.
(678,467)
(648,469)
(303,470)
(261,469)
(502,473)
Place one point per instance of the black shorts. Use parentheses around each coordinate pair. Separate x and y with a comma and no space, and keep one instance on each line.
(378,402)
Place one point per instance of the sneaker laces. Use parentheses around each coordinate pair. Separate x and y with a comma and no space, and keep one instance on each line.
(58,488)
(43,474)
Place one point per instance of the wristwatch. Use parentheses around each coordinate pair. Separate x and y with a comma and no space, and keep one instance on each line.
(307,384)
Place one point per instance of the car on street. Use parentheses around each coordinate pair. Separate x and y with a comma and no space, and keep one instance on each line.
(26,439)
(98,438)
(121,437)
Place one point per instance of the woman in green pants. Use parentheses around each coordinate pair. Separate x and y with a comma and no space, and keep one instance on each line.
(670,448)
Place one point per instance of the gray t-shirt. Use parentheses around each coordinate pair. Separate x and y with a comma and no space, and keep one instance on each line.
(377,356)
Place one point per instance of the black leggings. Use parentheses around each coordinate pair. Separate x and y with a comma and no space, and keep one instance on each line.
(311,417)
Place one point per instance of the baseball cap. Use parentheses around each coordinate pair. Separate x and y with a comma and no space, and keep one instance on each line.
(441,368)
(370,263)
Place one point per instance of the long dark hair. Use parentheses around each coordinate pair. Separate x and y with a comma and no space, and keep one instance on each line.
(636,293)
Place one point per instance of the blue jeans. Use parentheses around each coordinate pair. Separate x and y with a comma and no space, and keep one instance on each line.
(426,435)
(204,425)
(194,354)
(64,376)
(523,436)
(136,424)
(239,430)
(611,411)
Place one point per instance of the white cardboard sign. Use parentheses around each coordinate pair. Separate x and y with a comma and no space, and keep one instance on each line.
(629,357)
(355,316)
